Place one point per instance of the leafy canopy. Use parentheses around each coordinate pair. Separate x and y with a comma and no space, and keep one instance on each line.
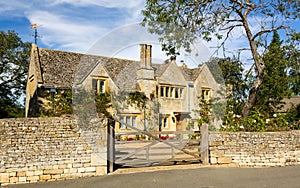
(14,60)
(180,22)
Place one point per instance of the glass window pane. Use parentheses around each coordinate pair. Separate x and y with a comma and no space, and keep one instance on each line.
(134,121)
(102,86)
(94,84)
(176,93)
(181,92)
(122,126)
(165,123)
(128,120)
(172,92)
(162,91)
(167,91)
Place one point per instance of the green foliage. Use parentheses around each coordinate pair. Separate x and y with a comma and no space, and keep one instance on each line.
(14,60)
(58,103)
(275,85)
(137,98)
(204,113)
(230,72)
(293,56)
(103,103)
(259,121)
(180,23)
(10,109)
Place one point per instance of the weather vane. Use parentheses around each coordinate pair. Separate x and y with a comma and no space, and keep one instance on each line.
(34,26)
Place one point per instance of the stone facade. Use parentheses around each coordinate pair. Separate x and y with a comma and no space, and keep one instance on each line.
(46,149)
(176,89)
(255,149)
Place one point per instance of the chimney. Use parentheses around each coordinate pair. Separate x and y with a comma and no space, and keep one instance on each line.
(149,56)
(146,55)
(182,64)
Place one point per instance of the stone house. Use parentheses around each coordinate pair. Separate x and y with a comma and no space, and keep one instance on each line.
(175,88)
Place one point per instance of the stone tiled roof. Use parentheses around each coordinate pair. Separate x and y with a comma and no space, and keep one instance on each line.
(59,69)
(190,74)
(159,69)
(289,102)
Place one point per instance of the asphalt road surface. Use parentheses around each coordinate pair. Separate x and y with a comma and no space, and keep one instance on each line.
(203,177)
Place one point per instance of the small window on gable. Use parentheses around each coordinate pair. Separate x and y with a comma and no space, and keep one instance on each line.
(205,94)
(99,85)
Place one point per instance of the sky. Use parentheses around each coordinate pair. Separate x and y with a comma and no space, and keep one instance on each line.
(101,27)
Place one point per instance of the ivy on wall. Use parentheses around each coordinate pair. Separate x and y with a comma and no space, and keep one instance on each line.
(56,102)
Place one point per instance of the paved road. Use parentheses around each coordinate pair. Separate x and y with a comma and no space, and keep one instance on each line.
(204,177)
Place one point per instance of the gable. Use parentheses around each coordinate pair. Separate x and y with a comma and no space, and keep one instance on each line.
(59,69)
(172,75)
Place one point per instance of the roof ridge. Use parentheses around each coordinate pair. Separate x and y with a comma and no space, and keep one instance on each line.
(90,55)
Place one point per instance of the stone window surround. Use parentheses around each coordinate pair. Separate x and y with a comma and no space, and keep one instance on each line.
(125,117)
(164,121)
(101,84)
(206,93)
(170,91)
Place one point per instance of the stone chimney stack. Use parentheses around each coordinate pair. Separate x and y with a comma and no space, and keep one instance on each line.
(146,55)
(145,73)
(182,64)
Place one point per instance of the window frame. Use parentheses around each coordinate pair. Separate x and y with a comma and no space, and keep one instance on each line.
(101,84)
(124,118)
(164,121)
(169,91)
(206,94)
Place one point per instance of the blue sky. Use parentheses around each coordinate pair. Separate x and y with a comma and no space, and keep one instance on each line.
(71,25)
(82,25)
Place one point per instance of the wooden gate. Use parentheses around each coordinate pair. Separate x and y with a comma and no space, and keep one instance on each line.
(133,149)
(139,148)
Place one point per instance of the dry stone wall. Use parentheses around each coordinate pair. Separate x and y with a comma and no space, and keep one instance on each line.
(46,149)
(255,149)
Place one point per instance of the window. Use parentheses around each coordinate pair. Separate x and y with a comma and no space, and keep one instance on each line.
(129,120)
(162,91)
(164,122)
(205,94)
(171,92)
(98,85)
(167,92)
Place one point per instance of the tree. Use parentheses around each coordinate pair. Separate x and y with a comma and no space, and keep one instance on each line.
(275,85)
(14,59)
(180,22)
(229,71)
(293,57)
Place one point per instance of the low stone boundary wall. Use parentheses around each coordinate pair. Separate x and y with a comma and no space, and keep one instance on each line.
(254,149)
(46,149)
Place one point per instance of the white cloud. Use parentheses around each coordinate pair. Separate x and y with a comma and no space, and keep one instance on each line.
(102,3)
(13,5)
(67,34)
(71,28)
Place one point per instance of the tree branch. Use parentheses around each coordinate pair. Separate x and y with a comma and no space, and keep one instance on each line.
(268,31)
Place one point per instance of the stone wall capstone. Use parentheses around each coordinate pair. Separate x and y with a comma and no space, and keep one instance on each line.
(46,149)
(255,149)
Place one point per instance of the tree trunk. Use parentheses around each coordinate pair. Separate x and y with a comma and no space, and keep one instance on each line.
(252,97)
(260,68)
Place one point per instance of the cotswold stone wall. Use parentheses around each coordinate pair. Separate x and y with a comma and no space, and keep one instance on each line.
(45,149)
(255,149)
